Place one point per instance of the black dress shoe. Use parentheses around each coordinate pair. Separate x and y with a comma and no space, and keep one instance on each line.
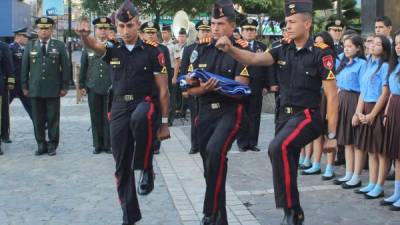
(107,150)
(394,208)
(207,221)
(52,152)
(328,178)
(347,186)
(156,151)
(243,149)
(338,182)
(311,173)
(6,140)
(146,182)
(1,152)
(358,191)
(40,151)
(385,203)
(254,149)
(304,167)
(293,217)
(367,196)
(193,150)
(96,151)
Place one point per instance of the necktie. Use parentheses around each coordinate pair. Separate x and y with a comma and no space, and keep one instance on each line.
(43,48)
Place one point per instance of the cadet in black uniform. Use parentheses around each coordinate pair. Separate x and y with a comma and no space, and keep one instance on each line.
(220,117)
(6,73)
(17,50)
(303,67)
(149,31)
(248,137)
(134,108)
(187,66)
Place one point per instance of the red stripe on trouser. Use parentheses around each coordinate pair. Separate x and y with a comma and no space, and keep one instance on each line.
(230,138)
(286,166)
(149,133)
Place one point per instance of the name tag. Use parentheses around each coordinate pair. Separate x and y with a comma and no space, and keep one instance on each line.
(202,65)
(33,53)
(115,61)
(280,62)
(91,54)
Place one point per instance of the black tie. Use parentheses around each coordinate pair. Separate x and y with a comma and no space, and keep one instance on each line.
(44,48)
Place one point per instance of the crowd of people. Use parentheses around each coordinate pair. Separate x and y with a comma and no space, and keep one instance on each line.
(337,93)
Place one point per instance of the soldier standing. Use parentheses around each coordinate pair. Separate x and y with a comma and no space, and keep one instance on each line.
(6,73)
(44,78)
(17,50)
(303,68)
(95,80)
(135,104)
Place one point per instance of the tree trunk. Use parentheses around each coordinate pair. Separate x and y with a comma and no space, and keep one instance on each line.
(339,8)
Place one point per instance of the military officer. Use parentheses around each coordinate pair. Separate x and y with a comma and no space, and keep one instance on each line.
(150,30)
(189,55)
(303,67)
(6,73)
(95,79)
(17,49)
(44,78)
(248,137)
(135,104)
(220,116)
(335,27)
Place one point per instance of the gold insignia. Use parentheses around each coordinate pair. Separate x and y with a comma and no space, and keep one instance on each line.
(103,20)
(250,20)
(190,69)
(164,70)
(202,65)
(43,20)
(244,72)
(11,80)
(280,62)
(331,76)
(115,61)
(338,22)
(205,22)
(150,24)
(129,14)
(292,11)
(221,12)
(291,6)
(91,54)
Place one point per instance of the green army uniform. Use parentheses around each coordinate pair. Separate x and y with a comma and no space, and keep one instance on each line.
(44,76)
(95,77)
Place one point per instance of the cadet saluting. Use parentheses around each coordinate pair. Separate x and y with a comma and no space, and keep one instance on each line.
(302,67)
(135,104)
(44,78)
(95,79)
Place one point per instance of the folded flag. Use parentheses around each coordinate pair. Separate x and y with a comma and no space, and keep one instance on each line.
(225,86)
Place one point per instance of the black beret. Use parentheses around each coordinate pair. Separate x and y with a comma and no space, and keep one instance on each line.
(298,6)
(249,23)
(102,22)
(127,11)
(223,8)
(203,25)
(150,27)
(44,22)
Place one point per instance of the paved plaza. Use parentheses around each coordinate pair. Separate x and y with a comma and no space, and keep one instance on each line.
(77,188)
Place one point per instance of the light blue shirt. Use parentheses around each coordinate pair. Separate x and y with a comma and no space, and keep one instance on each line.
(348,78)
(371,83)
(394,81)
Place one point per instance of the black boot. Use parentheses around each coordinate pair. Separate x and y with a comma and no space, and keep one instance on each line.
(207,220)
(293,217)
(1,152)
(42,149)
(146,182)
(6,139)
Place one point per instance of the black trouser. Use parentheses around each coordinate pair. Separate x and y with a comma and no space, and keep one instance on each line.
(132,134)
(173,88)
(194,111)
(98,117)
(5,111)
(294,131)
(218,125)
(248,137)
(46,111)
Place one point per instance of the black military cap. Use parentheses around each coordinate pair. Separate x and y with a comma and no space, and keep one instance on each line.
(23,31)
(150,27)
(166,27)
(298,6)
(224,8)
(335,22)
(127,11)
(203,25)
(249,23)
(102,22)
(44,22)
(182,31)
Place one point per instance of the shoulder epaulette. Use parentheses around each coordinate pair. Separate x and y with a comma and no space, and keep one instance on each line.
(151,43)
(321,45)
(242,43)
(205,41)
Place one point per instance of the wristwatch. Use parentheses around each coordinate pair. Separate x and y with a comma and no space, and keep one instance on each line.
(331,136)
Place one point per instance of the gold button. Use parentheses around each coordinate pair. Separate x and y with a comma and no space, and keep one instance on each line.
(101,75)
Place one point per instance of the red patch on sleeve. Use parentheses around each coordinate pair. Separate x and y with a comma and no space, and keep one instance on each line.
(328,62)
(161,59)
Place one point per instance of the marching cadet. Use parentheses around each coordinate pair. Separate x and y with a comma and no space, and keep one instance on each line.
(6,73)
(187,66)
(220,116)
(248,137)
(135,106)
(95,80)
(17,50)
(44,78)
(303,68)
(149,31)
